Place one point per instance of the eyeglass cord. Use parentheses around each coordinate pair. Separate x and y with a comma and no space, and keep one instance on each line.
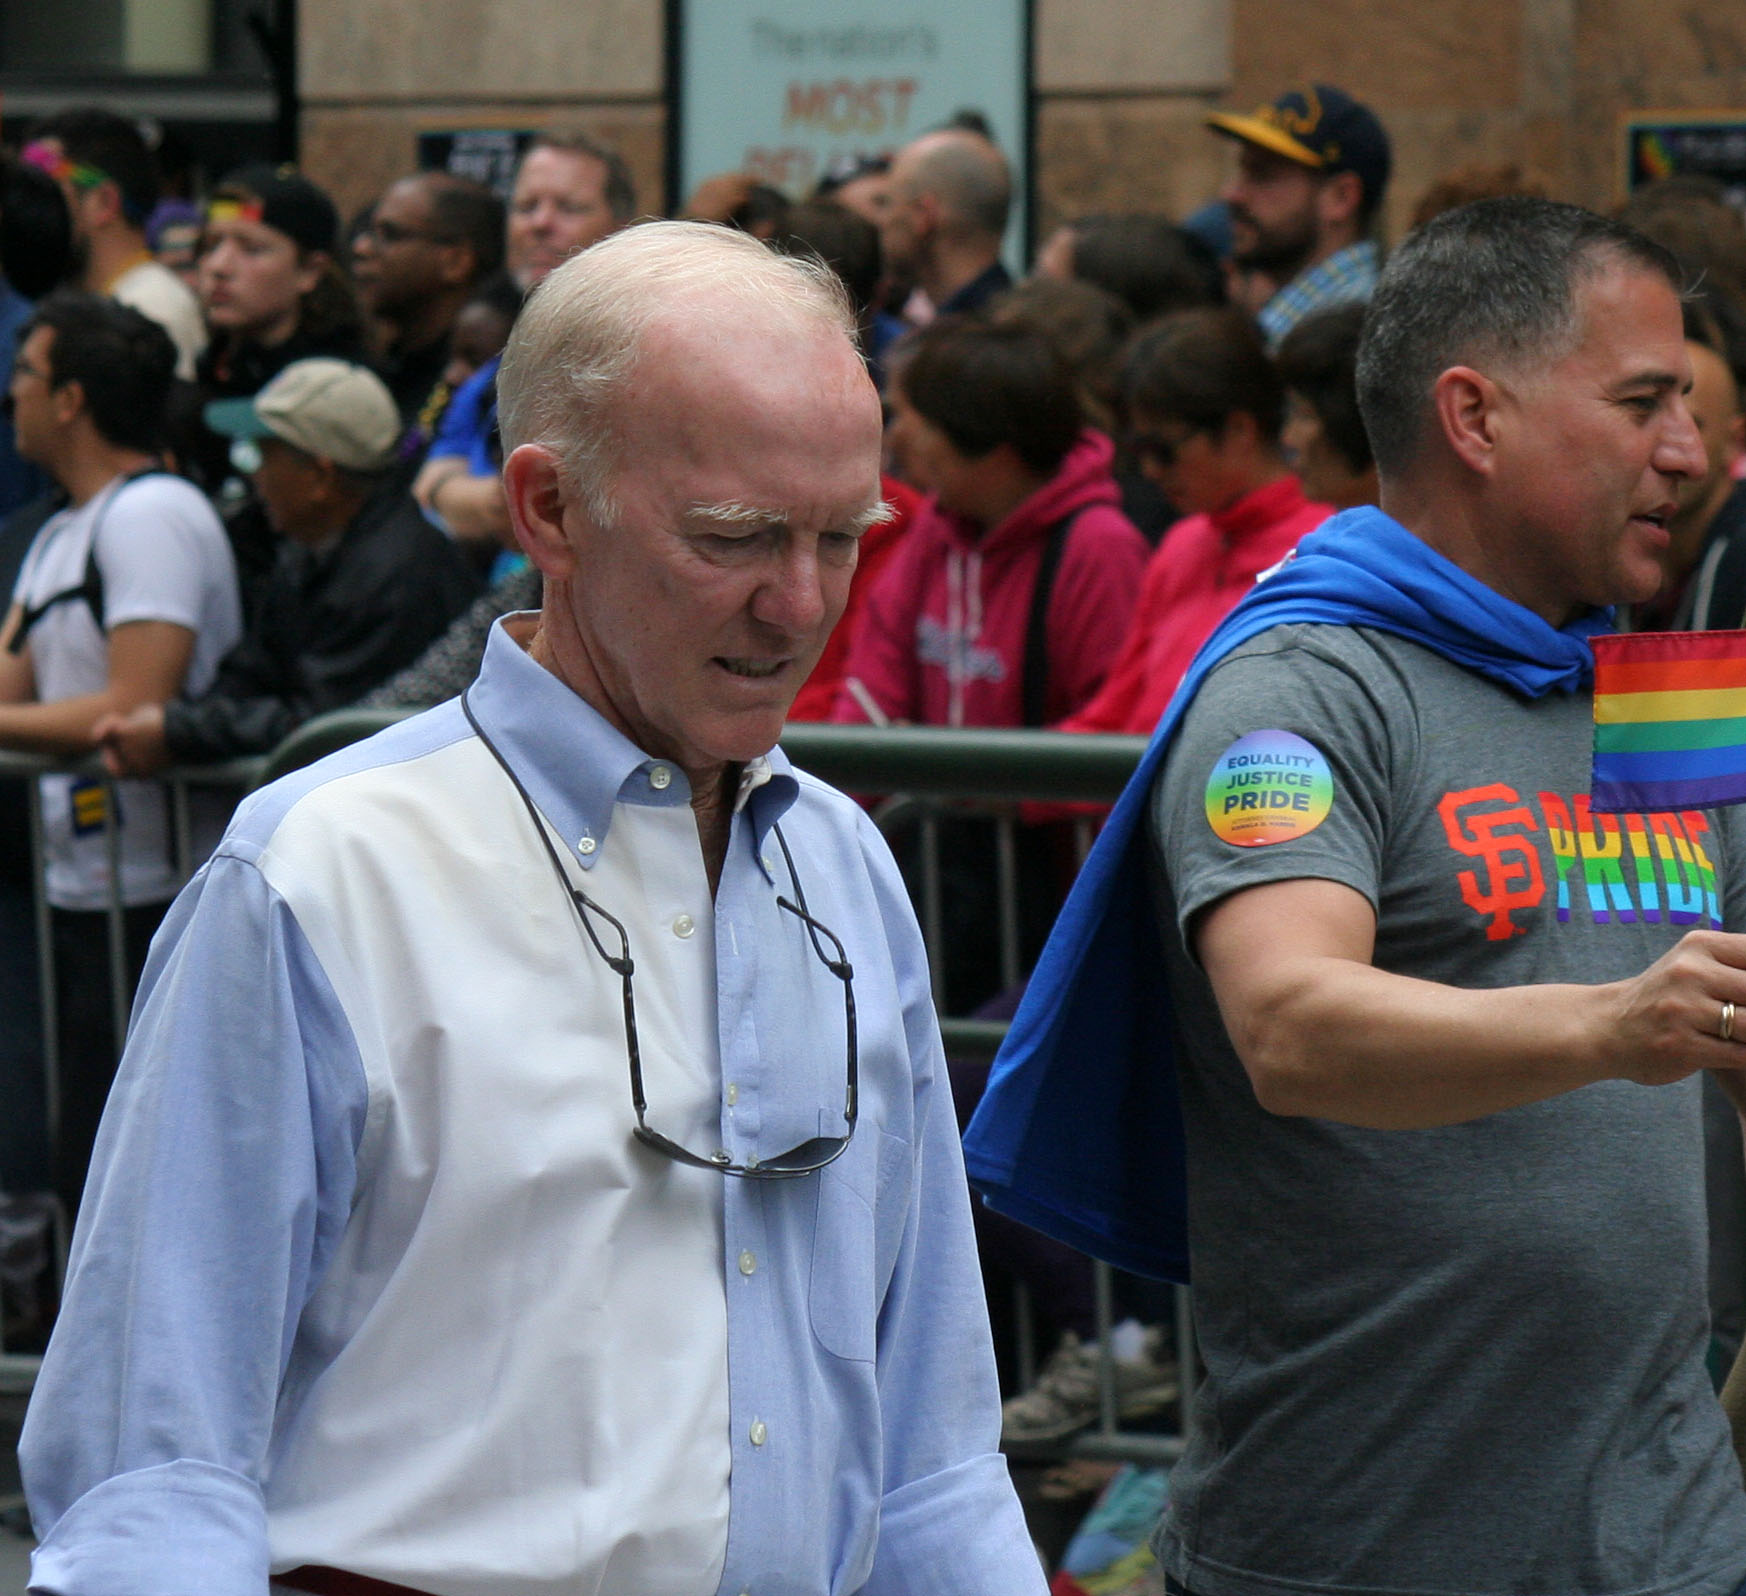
(579,900)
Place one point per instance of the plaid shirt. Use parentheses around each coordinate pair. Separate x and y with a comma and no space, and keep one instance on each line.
(1347,274)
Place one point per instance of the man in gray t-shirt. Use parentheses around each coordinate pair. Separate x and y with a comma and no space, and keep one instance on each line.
(1438,1023)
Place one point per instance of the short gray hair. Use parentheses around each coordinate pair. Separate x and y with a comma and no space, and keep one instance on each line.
(575,345)
(1492,281)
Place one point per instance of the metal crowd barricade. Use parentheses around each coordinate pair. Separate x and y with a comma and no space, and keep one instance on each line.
(935,770)
(18,1370)
(236,775)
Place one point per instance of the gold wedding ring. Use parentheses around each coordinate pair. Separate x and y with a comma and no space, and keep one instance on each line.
(1727,1022)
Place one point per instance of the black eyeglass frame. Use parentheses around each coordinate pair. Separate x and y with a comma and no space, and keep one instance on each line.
(1144,444)
(390,233)
(808,1157)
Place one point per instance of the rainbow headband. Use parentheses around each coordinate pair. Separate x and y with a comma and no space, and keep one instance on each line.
(235,210)
(49,158)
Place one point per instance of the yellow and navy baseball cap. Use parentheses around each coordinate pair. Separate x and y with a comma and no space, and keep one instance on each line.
(1321,127)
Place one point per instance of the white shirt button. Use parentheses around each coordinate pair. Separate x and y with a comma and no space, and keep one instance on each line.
(769,864)
(660,777)
(759,1433)
(748,1263)
(733,1093)
(684,926)
(586,845)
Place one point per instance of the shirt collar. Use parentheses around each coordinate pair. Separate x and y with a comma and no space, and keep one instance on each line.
(576,765)
(982,287)
(1359,255)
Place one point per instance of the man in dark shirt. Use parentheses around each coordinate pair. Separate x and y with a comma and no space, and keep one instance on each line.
(950,194)
(361,584)
(436,237)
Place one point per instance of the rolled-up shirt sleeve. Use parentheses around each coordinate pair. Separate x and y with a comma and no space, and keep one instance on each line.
(221,1182)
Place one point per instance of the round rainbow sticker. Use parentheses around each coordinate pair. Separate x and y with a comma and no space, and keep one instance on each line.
(1270,786)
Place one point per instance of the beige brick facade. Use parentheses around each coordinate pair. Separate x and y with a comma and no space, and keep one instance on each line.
(1121,84)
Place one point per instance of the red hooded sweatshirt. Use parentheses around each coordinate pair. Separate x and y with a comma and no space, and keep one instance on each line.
(880,543)
(1203,566)
(941,640)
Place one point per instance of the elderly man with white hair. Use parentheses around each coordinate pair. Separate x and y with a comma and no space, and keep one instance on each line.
(533,1168)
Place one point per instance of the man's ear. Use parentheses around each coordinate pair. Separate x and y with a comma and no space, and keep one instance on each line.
(104,203)
(309,270)
(1735,446)
(459,264)
(329,478)
(1238,431)
(1339,198)
(1466,404)
(533,485)
(67,399)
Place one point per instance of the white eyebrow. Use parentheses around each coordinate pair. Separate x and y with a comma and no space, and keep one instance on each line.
(876,514)
(734,512)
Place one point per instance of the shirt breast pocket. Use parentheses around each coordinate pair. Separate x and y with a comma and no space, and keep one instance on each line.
(863,1206)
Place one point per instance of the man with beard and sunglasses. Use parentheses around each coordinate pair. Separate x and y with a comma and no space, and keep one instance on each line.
(1312,168)
(533,1166)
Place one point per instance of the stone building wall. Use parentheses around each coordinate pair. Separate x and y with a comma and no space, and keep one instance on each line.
(1121,84)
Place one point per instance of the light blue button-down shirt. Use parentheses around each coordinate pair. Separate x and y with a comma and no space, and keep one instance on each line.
(238,1151)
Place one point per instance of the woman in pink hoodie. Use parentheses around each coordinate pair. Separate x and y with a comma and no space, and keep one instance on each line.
(1206,407)
(1011,593)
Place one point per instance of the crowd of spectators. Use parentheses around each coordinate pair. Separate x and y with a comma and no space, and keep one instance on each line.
(251,469)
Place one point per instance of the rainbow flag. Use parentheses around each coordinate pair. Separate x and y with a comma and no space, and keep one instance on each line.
(1669,720)
(1654,159)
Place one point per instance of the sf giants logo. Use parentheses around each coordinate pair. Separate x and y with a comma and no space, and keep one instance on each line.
(1498,837)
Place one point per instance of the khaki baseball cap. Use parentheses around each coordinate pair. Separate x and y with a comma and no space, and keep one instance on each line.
(324,407)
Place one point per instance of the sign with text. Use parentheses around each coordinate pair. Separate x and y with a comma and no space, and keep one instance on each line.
(782,91)
(1687,143)
(487,155)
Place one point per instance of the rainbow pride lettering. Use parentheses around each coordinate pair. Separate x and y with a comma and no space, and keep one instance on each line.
(1626,867)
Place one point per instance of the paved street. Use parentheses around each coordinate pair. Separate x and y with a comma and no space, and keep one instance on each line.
(14,1547)
(14,1564)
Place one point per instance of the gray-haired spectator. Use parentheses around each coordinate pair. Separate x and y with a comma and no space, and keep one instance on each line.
(361,585)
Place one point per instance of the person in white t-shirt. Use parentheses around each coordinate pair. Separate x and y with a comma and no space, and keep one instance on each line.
(127,596)
(110,179)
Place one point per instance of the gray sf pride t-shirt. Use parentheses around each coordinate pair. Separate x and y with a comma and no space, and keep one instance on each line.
(1466,1360)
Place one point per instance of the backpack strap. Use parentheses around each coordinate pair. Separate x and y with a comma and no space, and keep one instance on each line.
(1035,681)
(90,586)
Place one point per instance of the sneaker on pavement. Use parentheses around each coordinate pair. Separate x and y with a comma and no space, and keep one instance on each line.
(1065,1398)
